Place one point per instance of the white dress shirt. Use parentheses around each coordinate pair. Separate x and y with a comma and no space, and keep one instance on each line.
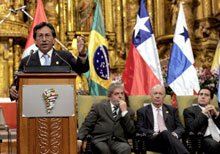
(207,133)
(122,114)
(154,109)
(42,59)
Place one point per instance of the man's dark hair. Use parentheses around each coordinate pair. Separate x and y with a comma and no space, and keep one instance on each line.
(211,91)
(41,25)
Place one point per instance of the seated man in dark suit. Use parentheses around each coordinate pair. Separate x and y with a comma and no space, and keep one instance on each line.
(44,35)
(204,118)
(110,123)
(161,124)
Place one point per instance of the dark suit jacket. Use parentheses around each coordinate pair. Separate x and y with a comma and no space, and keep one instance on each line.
(196,121)
(76,64)
(102,126)
(145,120)
(34,60)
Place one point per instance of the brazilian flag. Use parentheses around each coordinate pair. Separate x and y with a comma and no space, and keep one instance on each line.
(100,76)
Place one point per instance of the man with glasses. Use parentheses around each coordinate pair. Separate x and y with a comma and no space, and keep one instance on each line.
(44,36)
(204,118)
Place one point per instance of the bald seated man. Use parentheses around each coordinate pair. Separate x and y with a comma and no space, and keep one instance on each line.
(160,122)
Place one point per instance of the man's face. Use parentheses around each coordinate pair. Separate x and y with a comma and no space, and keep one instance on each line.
(118,94)
(204,97)
(157,96)
(44,39)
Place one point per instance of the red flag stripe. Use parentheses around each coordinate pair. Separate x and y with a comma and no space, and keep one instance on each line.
(39,17)
(137,76)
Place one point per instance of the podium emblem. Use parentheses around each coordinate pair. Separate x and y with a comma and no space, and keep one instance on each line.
(50,97)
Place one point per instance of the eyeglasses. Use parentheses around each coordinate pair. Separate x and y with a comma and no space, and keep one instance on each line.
(46,36)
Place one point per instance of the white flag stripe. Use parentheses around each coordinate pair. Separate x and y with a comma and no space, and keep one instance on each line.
(180,40)
(182,87)
(149,53)
(28,50)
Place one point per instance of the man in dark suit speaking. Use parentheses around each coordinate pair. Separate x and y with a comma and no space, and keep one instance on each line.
(161,124)
(205,118)
(110,123)
(44,36)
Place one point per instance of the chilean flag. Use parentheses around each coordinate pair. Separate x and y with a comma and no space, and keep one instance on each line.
(39,17)
(182,75)
(142,70)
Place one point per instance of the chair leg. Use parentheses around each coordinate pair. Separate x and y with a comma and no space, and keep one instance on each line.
(199,143)
(143,145)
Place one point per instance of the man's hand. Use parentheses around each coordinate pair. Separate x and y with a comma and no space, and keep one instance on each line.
(174,134)
(155,134)
(79,146)
(13,92)
(210,110)
(81,45)
(122,105)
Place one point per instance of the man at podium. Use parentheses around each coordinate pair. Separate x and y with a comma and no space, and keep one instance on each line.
(44,35)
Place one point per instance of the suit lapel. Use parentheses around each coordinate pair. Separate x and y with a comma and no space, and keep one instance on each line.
(165,112)
(118,116)
(149,113)
(55,60)
(198,109)
(34,60)
(108,110)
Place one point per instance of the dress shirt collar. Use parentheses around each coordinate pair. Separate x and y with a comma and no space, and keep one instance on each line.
(112,107)
(49,53)
(155,108)
(201,107)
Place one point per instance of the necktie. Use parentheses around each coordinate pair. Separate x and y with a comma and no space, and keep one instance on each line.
(47,61)
(115,111)
(160,121)
(213,130)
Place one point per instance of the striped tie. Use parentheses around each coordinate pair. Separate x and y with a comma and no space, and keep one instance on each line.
(115,111)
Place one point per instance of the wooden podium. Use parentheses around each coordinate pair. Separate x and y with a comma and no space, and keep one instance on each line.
(46,135)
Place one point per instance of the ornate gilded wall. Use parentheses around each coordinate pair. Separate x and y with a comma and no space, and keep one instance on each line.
(74,17)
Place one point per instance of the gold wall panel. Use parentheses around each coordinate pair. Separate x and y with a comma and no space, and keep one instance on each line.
(74,17)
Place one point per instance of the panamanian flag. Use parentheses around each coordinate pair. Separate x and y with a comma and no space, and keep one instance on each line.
(182,75)
(142,70)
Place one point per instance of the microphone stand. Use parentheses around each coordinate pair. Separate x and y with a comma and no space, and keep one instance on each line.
(11,11)
(27,14)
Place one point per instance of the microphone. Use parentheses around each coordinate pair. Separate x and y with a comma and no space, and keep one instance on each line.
(31,53)
(56,54)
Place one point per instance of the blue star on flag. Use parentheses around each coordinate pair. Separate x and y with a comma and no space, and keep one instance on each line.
(185,34)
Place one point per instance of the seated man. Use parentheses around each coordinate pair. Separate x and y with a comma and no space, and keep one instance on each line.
(204,118)
(109,123)
(161,124)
